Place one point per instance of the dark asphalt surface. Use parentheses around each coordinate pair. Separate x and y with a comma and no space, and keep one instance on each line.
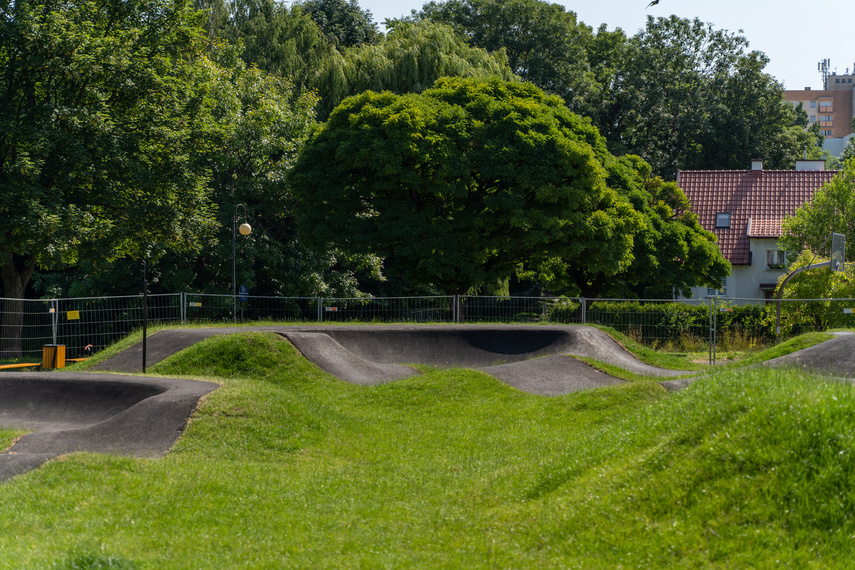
(102,413)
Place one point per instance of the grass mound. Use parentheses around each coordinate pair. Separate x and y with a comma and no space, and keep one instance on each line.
(285,466)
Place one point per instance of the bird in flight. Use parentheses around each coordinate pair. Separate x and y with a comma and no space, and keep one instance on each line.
(654,3)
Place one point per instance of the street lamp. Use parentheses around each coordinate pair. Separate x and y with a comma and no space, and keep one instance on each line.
(244,230)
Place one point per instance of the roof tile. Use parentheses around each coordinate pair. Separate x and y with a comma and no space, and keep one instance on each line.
(757,201)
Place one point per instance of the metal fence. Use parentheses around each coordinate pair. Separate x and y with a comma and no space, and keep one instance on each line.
(86,325)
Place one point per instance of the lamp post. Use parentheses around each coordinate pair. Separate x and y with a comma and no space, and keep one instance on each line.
(245,230)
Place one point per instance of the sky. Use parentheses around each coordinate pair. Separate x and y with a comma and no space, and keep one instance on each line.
(794,35)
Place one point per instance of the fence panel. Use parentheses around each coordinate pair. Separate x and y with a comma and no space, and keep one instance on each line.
(101,321)
(27,326)
(438,309)
(682,325)
(520,310)
(799,316)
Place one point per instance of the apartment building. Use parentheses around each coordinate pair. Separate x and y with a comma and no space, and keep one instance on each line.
(833,107)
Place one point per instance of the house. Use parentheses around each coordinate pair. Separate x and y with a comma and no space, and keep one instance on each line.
(744,208)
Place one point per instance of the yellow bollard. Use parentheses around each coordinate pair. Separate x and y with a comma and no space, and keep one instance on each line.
(53,356)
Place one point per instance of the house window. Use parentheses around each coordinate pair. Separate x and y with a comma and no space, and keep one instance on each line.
(826,103)
(813,118)
(776,259)
(720,292)
(722,220)
(826,132)
(813,104)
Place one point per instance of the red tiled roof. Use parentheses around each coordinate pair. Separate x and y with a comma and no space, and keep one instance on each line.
(757,200)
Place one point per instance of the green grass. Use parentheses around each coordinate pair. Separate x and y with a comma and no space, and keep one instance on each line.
(284,466)
(8,437)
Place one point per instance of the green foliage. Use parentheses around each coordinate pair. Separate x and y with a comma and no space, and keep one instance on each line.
(462,184)
(832,209)
(672,323)
(100,109)
(671,253)
(409,59)
(92,561)
(281,41)
(543,42)
(343,21)
(689,97)
(679,93)
(816,284)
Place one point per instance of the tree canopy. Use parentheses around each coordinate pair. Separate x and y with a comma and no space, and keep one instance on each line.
(462,185)
(680,93)
(343,21)
(407,60)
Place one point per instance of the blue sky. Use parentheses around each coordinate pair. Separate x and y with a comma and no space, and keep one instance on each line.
(793,37)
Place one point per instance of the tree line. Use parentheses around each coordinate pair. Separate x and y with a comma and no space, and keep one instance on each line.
(130,130)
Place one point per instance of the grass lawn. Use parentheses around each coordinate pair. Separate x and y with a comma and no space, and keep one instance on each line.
(287,467)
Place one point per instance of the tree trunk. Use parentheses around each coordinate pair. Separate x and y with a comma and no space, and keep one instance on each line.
(16,272)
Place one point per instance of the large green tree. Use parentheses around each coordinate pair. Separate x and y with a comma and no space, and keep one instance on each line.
(343,21)
(101,107)
(257,126)
(409,59)
(544,43)
(687,96)
(462,185)
(280,40)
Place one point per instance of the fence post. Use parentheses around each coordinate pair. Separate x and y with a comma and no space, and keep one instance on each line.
(713,324)
(320,309)
(55,317)
(182,311)
(584,309)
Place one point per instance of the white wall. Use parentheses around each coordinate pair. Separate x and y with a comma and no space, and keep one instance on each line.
(744,280)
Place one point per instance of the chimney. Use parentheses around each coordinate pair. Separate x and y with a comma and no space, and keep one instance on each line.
(810,165)
(756,164)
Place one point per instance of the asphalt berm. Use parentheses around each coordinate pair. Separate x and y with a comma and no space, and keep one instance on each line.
(101,413)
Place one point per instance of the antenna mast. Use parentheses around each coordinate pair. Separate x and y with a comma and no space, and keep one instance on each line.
(823,67)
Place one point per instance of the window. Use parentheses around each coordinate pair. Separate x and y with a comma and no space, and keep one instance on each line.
(776,259)
(826,103)
(826,132)
(813,118)
(720,292)
(722,220)
(813,104)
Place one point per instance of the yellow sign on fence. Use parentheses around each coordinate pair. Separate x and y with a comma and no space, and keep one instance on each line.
(73,315)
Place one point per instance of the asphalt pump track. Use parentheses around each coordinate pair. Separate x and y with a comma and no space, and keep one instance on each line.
(143,416)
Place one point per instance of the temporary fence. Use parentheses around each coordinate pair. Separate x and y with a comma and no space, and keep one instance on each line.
(86,325)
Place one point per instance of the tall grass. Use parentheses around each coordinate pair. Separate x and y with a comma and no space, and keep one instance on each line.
(286,467)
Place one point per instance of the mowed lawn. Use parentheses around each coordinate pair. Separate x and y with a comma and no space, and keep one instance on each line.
(285,466)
